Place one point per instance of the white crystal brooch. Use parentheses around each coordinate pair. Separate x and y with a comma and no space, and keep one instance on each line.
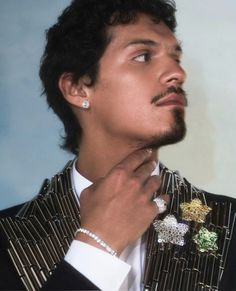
(170,231)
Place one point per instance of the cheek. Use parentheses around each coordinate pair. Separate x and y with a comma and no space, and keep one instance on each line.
(123,99)
(119,90)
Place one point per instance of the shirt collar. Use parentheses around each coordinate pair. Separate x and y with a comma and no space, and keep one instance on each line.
(79,182)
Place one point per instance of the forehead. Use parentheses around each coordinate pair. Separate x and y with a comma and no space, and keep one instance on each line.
(143,28)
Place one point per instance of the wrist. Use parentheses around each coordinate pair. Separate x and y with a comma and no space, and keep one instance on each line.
(91,238)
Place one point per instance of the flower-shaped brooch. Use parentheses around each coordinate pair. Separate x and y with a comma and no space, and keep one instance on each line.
(206,240)
(194,211)
(170,231)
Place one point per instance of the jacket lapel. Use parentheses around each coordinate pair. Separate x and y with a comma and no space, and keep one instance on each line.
(196,265)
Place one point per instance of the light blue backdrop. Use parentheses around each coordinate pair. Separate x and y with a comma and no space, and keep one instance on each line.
(29,132)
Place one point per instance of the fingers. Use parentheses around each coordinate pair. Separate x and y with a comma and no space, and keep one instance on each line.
(138,165)
(152,185)
(136,159)
(145,170)
(160,203)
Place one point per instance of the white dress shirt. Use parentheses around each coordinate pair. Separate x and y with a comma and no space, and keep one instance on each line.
(102,269)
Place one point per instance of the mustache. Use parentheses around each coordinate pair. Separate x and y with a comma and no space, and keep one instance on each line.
(177,90)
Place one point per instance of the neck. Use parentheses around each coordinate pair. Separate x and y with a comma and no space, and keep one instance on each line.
(96,160)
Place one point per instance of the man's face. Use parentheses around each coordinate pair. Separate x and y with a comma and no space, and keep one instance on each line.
(137,98)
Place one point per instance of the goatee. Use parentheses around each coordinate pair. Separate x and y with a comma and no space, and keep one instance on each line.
(175,134)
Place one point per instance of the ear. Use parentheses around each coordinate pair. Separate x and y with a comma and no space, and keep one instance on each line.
(75,93)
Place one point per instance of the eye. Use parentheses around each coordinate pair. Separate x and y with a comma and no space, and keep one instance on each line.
(143,58)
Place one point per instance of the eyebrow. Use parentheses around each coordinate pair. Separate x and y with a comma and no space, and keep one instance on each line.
(175,49)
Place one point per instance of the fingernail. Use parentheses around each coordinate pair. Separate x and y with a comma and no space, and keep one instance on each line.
(149,151)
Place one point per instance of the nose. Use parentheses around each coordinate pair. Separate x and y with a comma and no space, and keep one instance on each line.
(173,74)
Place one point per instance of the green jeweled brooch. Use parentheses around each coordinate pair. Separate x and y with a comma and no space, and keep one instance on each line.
(206,240)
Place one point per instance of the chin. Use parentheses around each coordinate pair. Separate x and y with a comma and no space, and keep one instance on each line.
(174,134)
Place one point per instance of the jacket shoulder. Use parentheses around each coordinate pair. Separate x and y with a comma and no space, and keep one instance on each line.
(210,197)
(11,211)
(221,198)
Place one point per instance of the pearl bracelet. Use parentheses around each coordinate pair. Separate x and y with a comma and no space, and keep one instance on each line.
(98,240)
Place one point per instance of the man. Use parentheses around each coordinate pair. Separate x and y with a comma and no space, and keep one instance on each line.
(115,218)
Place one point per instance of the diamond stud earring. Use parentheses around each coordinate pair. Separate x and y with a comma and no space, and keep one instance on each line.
(85,104)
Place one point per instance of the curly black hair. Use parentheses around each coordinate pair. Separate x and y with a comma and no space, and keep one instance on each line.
(78,40)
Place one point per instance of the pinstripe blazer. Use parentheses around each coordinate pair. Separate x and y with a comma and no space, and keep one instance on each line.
(53,211)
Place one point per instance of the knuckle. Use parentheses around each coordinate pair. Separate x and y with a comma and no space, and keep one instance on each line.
(120,170)
(134,183)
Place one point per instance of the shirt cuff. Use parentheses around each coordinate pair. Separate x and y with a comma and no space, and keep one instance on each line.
(102,269)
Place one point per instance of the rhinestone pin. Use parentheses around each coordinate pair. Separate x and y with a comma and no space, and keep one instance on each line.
(170,231)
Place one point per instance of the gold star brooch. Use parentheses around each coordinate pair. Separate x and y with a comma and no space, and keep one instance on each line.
(194,211)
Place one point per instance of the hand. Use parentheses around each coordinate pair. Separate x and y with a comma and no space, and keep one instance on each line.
(119,208)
